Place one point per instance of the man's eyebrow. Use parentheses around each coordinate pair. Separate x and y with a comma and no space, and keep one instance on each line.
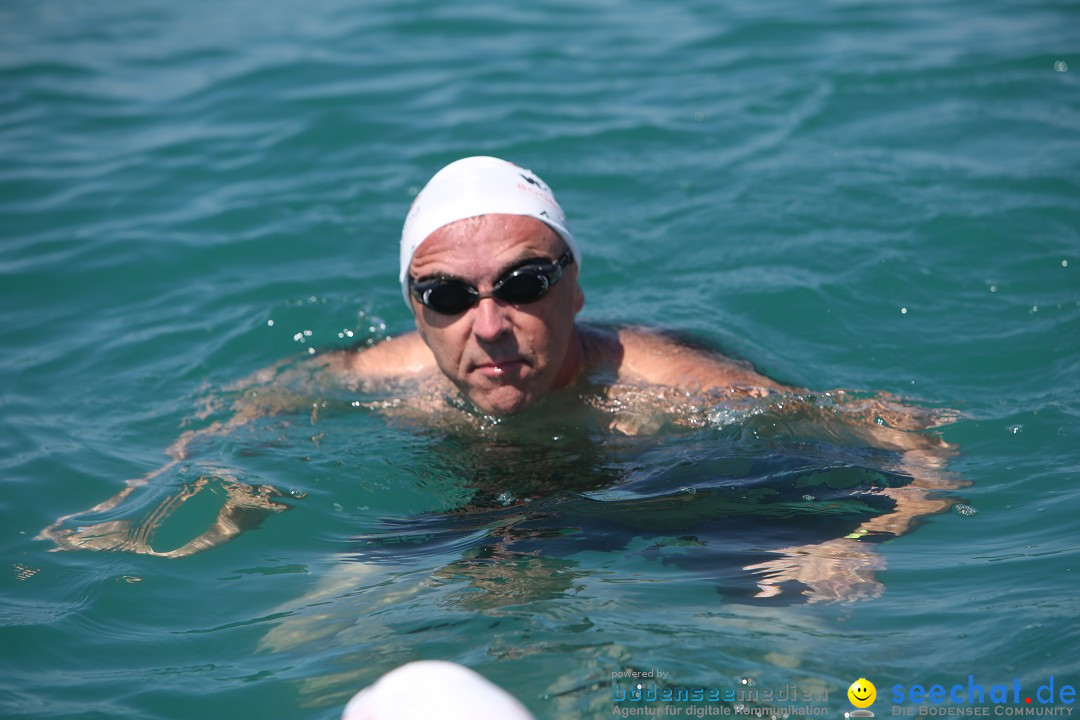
(438,276)
(526,259)
(533,257)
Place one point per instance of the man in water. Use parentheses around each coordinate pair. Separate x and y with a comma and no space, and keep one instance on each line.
(489,269)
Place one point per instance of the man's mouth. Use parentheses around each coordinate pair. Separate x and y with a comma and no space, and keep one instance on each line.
(500,368)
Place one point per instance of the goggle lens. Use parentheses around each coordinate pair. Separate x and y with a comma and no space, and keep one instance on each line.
(448,297)
(523,287)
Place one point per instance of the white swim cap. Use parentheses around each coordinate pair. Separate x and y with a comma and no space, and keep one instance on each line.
(476,186)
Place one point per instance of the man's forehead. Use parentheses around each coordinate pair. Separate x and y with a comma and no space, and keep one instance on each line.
(494,237)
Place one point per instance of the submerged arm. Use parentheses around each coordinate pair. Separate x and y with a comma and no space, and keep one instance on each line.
(245,505)
(263,394)
(843,568)
(837,569)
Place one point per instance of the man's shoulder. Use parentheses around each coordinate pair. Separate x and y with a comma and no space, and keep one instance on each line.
(647,355)
(403,356)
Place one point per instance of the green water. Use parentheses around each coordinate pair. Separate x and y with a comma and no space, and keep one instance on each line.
(865,195)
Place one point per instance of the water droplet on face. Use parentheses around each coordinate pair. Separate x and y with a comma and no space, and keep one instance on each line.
(965,509)
(1016,429)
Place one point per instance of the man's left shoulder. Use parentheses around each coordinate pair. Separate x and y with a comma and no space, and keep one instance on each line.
(666,358)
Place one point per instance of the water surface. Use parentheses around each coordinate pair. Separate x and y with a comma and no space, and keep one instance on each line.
(862,195)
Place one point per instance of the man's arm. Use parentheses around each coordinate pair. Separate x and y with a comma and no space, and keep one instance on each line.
(842,568)
(265,393)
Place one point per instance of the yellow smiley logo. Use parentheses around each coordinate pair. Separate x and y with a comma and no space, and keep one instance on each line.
(862,693)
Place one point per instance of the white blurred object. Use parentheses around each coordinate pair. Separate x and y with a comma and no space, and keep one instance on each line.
(434,689)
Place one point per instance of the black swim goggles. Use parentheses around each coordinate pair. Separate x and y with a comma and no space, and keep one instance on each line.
(522,285)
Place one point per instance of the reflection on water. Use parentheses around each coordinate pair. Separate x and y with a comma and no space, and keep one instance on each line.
(572,516)
(701,502)
(561,521)
(780,470)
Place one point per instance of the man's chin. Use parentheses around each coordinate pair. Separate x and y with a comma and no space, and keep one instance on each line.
(504,400)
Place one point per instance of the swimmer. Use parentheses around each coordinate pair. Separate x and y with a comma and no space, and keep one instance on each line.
(490,270)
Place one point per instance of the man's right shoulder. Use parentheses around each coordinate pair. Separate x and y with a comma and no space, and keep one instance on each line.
(404,356)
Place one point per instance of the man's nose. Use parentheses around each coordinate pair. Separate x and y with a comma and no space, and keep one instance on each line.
(491,321)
